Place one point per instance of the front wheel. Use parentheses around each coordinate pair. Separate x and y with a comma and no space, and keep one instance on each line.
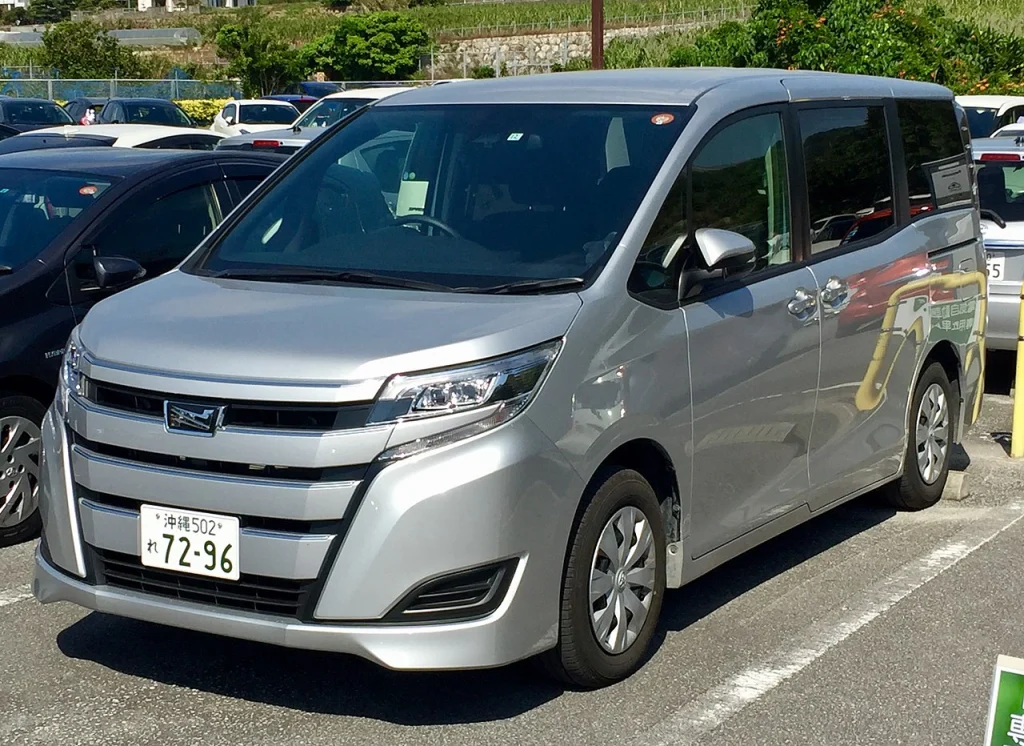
(613,584)
(20,453)
(929,443)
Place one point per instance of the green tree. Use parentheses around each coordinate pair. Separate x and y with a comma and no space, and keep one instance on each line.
(84,50)
(50,11)
(260,60)
(369,46)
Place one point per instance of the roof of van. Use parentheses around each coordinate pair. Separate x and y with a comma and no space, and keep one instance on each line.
(647,86)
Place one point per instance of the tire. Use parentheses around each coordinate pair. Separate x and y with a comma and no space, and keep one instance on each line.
(921,487)
(20,421)
(580,659)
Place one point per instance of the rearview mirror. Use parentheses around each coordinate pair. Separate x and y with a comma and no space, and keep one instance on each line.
(115,272)
(719,246)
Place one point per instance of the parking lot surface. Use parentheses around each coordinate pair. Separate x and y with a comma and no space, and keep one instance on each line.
(864,626)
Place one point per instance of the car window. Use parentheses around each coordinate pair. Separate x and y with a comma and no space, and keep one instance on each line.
(175,225)
(487,194)
(226,112)
(155,113)
(328,111)
(266,114)
(182,142)
(383,156)
(937,169)
(34,112)
(1001,188)
(35,206)
(846,156)
(981,121)
(738,180)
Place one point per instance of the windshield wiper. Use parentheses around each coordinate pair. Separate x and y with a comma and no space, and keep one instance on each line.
(318,275)
(523,287)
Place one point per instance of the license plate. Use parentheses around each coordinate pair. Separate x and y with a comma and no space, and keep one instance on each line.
(996,266)
(189,542)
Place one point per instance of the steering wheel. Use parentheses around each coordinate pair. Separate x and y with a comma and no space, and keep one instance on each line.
(427,220)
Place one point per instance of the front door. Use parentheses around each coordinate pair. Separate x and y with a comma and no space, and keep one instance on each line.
(753,338)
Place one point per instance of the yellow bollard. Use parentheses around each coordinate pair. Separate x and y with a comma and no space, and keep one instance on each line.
(1017,430)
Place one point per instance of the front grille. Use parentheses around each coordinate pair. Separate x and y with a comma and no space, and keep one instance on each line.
(232,468)
(250,593)
(255,522)
(258,415)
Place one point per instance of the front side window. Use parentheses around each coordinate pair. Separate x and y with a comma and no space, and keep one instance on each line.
(1001,189)
(937,169)
(175,225)
(266,114)
(846,156)
(738,181)
(35,206)
(328,111)
(484,195)
(982,121)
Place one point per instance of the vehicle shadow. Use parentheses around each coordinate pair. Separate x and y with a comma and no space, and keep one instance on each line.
(334,684)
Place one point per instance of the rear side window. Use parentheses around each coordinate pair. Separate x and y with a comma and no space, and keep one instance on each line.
(937,169)
(849,172)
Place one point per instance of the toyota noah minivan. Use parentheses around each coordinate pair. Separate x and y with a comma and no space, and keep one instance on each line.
(586,347)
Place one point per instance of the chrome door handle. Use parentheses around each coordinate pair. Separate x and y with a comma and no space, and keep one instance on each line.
(835,289)
(802,302)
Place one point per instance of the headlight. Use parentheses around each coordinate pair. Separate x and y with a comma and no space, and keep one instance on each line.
(505,384)
(71,380)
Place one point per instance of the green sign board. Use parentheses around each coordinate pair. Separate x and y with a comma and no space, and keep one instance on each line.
(953,320)
(1006,711)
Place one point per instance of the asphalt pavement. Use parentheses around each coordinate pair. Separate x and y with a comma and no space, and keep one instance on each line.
(864,626)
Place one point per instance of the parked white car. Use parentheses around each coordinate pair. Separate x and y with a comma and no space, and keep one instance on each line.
(986,114)
(131,136)
(253,115)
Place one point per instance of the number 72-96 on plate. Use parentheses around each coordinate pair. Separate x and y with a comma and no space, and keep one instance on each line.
(189,542)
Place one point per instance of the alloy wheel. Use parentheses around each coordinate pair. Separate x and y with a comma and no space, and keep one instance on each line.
(20,453)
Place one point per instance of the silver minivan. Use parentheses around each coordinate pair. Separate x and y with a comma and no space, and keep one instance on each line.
(588,350)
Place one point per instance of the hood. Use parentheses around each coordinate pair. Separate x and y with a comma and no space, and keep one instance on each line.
(275,332)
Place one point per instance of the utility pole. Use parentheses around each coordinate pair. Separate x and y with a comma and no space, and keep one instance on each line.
(597,34)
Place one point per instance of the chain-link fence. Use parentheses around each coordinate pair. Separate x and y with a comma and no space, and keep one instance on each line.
(64,90)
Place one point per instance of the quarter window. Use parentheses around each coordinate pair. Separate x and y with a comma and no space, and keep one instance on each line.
(937,170)
(849,172)
(737,181)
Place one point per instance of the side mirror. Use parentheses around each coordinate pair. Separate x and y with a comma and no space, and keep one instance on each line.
(116,272)
(229,120)
(720,247)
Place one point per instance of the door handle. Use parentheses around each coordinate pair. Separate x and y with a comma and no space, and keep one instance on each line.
(801,302)
(835,290)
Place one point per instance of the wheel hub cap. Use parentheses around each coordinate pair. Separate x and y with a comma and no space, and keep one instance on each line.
(622,579)
(932,433)
(20,449)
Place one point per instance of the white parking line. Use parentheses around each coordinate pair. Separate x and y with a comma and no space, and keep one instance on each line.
(13,595)
(710,710)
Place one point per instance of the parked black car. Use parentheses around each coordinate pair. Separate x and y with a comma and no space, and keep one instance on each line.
(143,111)
(77,225)
(77,107)
(24,114)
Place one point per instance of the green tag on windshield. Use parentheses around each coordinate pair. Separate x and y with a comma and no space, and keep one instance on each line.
(1006,711)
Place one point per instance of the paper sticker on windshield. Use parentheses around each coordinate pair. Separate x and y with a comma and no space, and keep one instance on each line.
(515,137)
(88,190)
(660,119)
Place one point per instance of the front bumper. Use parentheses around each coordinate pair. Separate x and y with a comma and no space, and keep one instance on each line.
(506,494)
(1003,319)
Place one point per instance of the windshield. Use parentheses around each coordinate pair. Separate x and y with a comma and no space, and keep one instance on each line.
(266,114)
(467,197)
(328,111)
(1001,189)
(34,112)
(320,89)
(154,113)
(35,206)
(982,122)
